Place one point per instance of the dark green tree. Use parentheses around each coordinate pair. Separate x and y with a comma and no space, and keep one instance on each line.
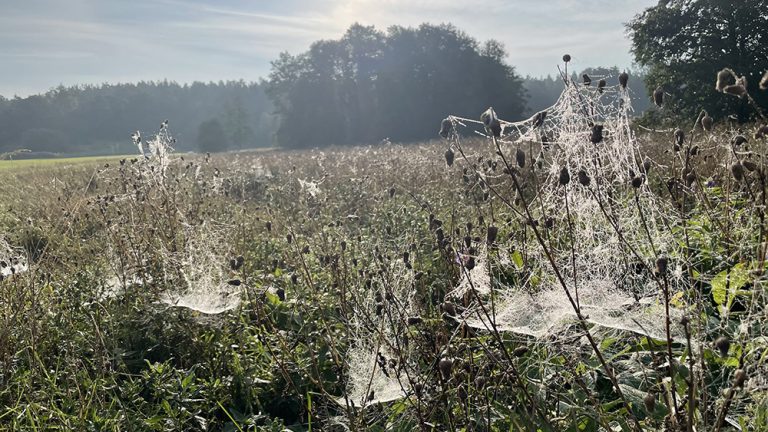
(370,85)
(211,137)
(684,43)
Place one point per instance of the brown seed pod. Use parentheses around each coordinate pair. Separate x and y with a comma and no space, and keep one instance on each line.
(584,179)
(679,136)
(690,178)
(446,127)
(739,377)
(637,182)
(707,122)
(234,282)
(520,158)
(601,85)
(623,79)
(737,169)
(567,58)
(764,81)
(586,79)
(650,402)
(749,165)
(493,232)
(445,365)
(449,308)
(694,151)
(738,140)
(658,97)
(722,79)
(646,165)
(661,266)
(761,132)
(736,90)
(491,122)
(565,176)
(414,320)
(597,134)
(723,345)
(449,157)
(280,294)
(520,351)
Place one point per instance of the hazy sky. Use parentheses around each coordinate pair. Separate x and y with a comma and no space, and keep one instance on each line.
(44,43)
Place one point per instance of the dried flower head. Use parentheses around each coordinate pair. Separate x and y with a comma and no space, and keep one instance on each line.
(520,157)
(449,157)
(722,79)
(707,122)
(601,85)
(567,58)
(584,179)
(446,127)
(491,122)
(737,169)
(658,97)
(623,79)
(565,176)
(679,136)
(736,90)
(586,79)
(723,344)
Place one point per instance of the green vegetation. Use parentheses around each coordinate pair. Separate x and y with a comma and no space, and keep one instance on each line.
(684,43)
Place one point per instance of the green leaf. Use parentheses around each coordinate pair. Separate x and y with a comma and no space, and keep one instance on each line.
(726,284)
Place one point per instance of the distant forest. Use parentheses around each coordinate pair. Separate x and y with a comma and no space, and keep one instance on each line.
(99,120)
(363,88)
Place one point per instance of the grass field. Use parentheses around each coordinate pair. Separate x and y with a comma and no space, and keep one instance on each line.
(382,288)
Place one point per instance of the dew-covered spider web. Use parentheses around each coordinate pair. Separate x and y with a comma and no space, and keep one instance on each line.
(603,234)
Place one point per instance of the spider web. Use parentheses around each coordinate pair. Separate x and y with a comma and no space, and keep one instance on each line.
(608,269)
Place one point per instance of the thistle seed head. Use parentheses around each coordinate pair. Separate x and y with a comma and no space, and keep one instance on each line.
(650,402)
(723,344)
(737,169)
(597,134)
(735,90)
(567,58)
(722,79)
(658,97)
(739,140)
(623,79)
(565,176)
(445,365)
(520,158)
(584,179)
(449,157)
(661,265)
(707,122)
(446,127)
(493,232)
(739,377)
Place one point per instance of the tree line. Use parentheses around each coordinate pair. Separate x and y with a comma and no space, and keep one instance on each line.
(100,119)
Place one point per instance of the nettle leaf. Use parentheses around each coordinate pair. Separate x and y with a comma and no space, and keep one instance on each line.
(727,283)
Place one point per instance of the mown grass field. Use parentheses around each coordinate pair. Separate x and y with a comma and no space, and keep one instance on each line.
(363,289)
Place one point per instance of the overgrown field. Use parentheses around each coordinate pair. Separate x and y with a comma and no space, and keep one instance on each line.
(569,282)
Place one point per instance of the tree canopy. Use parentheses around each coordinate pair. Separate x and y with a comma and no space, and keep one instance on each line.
(684,43)
(370,85)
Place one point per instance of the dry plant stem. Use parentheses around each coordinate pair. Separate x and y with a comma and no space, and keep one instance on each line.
(724,409)
(691,380)
(500,341)
(582,321)
(573,246)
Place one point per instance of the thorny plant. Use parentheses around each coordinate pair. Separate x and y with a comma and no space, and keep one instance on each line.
(558,273)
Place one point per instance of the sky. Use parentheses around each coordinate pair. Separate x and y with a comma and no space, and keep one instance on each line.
(47,43)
